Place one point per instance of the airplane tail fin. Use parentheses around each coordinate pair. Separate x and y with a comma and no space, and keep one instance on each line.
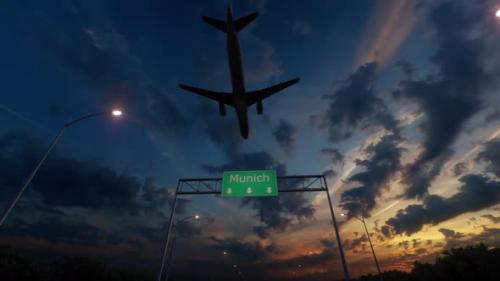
(239,24)
(244,21)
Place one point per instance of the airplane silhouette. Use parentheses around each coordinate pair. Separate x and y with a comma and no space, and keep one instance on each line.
(240,98)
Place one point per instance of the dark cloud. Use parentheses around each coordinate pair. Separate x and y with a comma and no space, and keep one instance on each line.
(242,251)
(248,161)
(285,134)
(450,234)
(102,59)
(385,230)
(187,229)
(453,239)
(460,168)
(406,68)
(383,161)
(357,245)
(64,181)
(418,177)
(491,155)
(55,230)
(355,104)
(492,218)
(274,212)
(449,98)
(262,231)
(476,193)
(334,155)
(278,212)
(329,173)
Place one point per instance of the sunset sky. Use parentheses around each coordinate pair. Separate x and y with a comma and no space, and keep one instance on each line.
(398,106)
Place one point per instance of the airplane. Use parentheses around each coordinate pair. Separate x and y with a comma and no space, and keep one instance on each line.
(239,98)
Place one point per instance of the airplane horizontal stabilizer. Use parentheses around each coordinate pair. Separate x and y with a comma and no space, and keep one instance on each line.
(259,95)
(219,24)
(225,98)
(244,21)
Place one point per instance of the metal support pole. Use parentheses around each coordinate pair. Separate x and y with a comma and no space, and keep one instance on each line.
(40,163)
(171,253)
(30,177)
(165,248)
(373,251)
(339,242)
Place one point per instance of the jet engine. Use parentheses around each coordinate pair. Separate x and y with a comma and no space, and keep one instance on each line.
(222,109)
(260,108)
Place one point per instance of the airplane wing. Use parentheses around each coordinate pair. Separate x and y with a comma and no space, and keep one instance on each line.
(256,96)
(219,24)
(225,98)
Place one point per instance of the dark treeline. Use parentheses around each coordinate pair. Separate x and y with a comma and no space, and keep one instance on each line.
(472,263)
(460,264)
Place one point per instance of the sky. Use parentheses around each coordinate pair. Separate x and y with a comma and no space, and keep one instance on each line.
(398,106)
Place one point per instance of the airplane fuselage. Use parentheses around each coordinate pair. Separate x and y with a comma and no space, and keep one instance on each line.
(237,79)
(239,98)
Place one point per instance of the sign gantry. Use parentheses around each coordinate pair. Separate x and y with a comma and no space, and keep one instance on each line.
(252,183)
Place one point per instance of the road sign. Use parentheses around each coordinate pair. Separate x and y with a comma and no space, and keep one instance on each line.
(249,183)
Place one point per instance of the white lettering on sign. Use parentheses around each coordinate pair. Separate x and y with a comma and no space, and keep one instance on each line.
(249,179)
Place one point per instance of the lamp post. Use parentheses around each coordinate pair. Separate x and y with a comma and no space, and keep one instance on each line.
(362,219)
(169,260)
(115,112)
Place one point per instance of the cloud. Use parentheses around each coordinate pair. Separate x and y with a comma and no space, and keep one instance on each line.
(460,168)
(285,134)
(355,104)
(450,97)
(476,193)
(101,57)
(334,155)
(406,68)
(388,27)
(489,236)
(242,251)
(383,162)
(248,161)
(67,182)
(491,155)
(275,212)
(278,212)
(492,218)
(449,233)
(69,231)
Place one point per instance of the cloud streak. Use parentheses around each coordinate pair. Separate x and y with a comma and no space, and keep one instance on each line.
(389,26)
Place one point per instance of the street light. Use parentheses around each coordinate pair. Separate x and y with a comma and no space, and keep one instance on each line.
(114,112)
(169,260)
(362,219)
(498,13)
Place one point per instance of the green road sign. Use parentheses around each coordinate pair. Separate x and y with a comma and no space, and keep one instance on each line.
(249,183)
